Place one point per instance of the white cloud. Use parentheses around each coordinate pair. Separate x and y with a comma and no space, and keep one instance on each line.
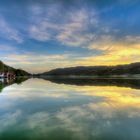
(9,32)
(39,33)
(76,31)
(73,29)
(76,28)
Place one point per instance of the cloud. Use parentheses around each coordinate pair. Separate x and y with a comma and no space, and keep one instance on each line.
(76,31)
(93,29)
(31,63)
(39,34)
(75,28)
(8,32)
(72,30)
(42,27)
(123,51)
(114,52)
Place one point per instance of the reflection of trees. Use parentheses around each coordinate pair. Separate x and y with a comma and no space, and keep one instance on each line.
(1,87)
(7,82)
(20,80)
(132,83)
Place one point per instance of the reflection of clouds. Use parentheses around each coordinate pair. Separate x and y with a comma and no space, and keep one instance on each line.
(99,121)
(80,122)
(119,97)
(38,120)
(111,96)
(115,98)
(9,119)
(42,109)
(38,88)
(33,88)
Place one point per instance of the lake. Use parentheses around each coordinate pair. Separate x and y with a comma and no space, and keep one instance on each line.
(70,109)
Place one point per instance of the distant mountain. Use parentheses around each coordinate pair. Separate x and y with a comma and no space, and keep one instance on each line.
(17,72)
(129,69)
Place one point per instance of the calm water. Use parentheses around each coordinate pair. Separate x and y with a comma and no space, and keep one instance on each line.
(60,109)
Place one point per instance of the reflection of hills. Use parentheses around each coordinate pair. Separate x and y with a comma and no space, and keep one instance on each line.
(132,83)
(7,82)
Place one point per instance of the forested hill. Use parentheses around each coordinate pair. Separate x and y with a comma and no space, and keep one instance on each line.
(129,69)
(17,72)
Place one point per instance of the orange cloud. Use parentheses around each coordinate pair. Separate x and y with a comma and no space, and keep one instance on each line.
(114,53)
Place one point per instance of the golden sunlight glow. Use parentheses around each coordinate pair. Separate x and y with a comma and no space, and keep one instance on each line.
(113,55)
(119,97)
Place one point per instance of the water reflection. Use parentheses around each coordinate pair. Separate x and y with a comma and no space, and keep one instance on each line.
(39,109)
(4,82)
(133,83)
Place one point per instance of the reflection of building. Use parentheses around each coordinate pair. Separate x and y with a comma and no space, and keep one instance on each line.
(10,75)
(4,82)
(1,80)
(1,74)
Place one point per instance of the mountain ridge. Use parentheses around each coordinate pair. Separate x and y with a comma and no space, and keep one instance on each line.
(132,68)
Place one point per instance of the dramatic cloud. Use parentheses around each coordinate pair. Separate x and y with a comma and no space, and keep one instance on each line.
(85,32)
(73,30)
(121,51)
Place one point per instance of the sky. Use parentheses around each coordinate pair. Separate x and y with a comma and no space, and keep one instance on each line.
(40,35)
